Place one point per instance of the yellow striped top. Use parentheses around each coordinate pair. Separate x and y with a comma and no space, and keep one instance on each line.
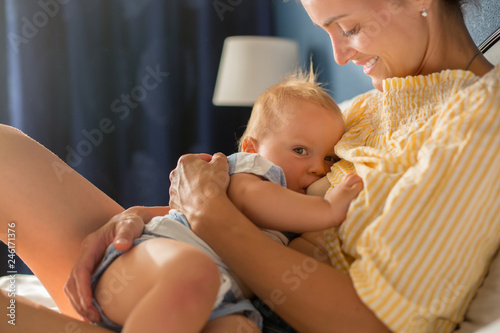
(418,239)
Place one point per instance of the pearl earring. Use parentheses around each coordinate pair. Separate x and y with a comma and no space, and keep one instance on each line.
(424,12)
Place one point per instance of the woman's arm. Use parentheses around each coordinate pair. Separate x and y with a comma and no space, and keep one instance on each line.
(311,296)
(272,206)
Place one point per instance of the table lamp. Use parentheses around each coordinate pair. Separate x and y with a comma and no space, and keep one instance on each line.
(251,64)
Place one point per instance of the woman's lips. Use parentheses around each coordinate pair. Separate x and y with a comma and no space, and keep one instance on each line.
(368,66)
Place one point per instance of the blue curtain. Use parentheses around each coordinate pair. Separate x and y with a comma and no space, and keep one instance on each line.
(119,89)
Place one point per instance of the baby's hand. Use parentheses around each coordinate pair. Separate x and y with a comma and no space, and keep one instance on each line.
(340,196)
(352,184)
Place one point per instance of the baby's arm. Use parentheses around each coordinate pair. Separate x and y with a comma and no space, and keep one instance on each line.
(272,206)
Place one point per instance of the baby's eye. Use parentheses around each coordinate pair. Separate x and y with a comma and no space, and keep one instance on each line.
(300,151)
(332,159)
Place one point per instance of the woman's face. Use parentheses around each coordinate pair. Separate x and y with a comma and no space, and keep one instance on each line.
(389,38)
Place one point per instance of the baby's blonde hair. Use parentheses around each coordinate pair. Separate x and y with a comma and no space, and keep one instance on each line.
(269,110)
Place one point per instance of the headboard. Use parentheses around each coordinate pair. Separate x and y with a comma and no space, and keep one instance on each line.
(481,18)
(491,47)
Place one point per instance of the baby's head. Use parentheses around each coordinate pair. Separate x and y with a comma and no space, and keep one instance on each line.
(295,124)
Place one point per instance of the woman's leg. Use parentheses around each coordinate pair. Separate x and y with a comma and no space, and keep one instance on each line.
(160,285)
(32,317)
(52,206)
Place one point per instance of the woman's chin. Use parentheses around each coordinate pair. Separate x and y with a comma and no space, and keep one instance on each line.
(377,83)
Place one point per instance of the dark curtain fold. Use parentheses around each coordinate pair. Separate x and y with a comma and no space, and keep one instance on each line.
(119,89)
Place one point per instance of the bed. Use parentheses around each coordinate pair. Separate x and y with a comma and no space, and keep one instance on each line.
(483,315)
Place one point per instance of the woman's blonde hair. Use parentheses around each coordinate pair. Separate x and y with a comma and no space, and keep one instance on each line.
(269,113)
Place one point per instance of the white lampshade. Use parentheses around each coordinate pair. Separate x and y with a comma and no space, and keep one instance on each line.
(251,64)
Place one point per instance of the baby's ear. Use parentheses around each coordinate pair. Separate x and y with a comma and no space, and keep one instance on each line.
(249,145)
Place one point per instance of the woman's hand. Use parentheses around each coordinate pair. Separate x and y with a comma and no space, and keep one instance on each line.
(121,230)
(196,182)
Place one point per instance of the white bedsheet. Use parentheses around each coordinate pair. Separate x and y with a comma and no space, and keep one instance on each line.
(28,286)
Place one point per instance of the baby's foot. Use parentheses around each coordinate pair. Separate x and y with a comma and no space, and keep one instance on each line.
(340,196)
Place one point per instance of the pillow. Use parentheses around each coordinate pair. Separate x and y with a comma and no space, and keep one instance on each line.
(485,307)
(492,328)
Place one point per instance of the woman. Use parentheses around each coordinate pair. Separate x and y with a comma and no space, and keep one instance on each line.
(416,242)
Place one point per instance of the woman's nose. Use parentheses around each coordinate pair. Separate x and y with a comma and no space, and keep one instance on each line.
(342,52)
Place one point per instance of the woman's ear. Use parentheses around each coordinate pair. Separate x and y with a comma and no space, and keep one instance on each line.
(424,6)
(249,145)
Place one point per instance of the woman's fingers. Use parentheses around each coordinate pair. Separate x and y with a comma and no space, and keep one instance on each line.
(121,230)
(77,288)
(88,310)
(195,181)
(70,290)
(128,228)
(204,157)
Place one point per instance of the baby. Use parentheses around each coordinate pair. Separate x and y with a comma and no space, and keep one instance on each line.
(287,146)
